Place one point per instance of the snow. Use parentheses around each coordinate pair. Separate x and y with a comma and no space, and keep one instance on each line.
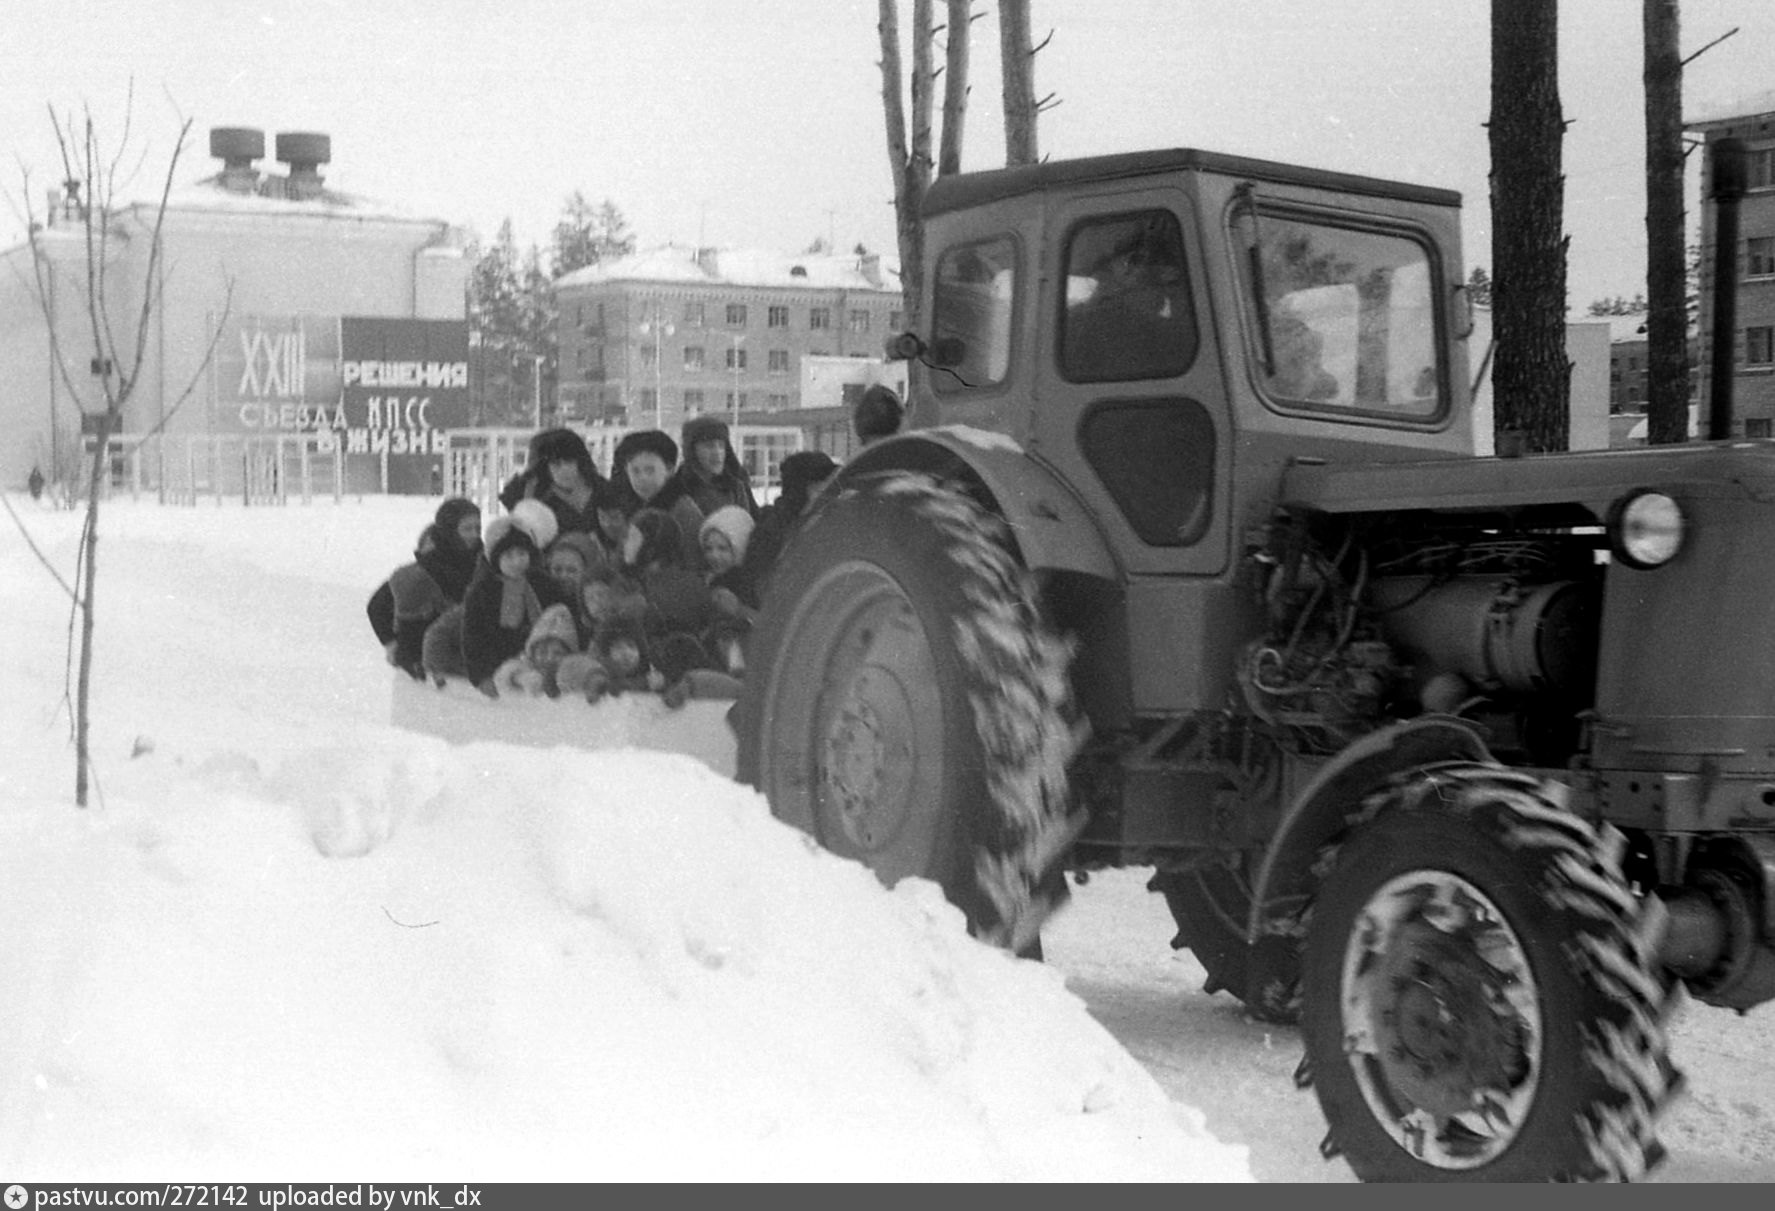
(290,940)
(739,266)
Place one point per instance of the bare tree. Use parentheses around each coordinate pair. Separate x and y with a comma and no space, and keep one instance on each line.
(909,148)
(1667,321)
(1532,376)
(111,338)
(1017,59)
(956,44)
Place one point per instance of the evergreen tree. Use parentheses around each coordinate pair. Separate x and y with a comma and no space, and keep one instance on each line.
(587,235)
(1479,287)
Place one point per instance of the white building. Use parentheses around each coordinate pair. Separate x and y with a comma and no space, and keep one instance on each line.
(280,273)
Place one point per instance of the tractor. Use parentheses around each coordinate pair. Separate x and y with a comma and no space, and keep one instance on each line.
(1184,560)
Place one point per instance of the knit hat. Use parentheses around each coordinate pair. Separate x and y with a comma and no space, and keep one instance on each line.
(703,429)
(555,623)
(644,441)
(590,552)
(735,523)
(537,520)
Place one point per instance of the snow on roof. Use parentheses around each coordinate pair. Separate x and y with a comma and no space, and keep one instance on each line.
(742,267)
(208,195)
(1721,113)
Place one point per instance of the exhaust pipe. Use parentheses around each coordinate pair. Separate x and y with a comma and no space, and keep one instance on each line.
(1728,187)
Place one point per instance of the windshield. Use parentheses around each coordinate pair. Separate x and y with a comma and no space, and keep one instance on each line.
(1342,318)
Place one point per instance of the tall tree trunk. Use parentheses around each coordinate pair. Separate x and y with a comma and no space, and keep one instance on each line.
(1667,321)
(1531,378)
(1018,62)
(909,159)
(955,85)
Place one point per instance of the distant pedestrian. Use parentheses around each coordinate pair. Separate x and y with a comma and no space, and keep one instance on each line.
(35,483)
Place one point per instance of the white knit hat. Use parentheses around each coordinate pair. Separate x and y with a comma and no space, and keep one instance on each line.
(537,520)
(732,521)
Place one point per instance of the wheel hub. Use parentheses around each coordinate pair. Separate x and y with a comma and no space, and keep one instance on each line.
(1442,1019)
(864,758)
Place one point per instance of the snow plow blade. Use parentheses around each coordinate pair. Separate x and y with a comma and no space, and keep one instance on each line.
(459,714)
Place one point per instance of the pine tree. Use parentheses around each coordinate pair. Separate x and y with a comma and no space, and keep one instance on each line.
(588,235)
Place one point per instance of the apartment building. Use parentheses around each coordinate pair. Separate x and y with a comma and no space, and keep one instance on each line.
(674,331)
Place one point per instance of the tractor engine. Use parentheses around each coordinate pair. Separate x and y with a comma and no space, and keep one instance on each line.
(1500,630)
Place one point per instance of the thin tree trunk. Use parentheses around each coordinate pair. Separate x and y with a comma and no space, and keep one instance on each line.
(908,160)
(1018,63)
(955,86)
(88,583)
(1532,377)
(1667,321)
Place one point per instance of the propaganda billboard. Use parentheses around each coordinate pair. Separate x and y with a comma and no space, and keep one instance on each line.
(403,384)
(276,373)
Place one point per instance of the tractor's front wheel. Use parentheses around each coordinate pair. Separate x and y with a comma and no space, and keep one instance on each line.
(1478,1000)
(905,704)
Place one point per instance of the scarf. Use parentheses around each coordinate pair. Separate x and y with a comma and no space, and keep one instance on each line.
(518,604)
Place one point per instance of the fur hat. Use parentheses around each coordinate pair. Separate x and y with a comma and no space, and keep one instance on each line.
(702,429)
(735,523)
(554,623)
(563,445)
(800,472)
(878,413)
(537,520)
(661,537)
(501,535)
(644,441)
(590,551)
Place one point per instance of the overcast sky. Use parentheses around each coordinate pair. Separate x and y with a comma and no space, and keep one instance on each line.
(758,122)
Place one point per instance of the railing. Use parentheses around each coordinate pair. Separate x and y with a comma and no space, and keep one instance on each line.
(277,468)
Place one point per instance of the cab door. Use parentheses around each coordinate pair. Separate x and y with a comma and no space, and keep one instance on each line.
(1132,410)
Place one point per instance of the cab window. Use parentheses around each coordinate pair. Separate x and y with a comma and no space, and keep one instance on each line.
(1342,319)
(1126,313)
(974,293)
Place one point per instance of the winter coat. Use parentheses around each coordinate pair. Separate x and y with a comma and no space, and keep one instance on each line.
(497,616)
(441,651)
(778,522)
(413,596)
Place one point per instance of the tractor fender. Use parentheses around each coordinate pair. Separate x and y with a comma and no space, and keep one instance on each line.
(1325,805)
(1052,528)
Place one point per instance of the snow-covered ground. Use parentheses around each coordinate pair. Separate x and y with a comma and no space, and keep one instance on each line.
(293,942)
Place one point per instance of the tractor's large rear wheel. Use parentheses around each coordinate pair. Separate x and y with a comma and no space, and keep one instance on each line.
(905,704)
(1478,997)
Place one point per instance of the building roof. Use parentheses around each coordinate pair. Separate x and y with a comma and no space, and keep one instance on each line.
(1711,114)
(209,194)
(742,267)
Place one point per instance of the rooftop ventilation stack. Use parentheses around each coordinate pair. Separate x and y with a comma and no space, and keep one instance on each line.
(304,151)
(237,147)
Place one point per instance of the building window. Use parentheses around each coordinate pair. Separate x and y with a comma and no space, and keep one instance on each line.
(743,404)
(736,315)
(859,320)
(777,317)
(896,320)
(693,357)
(1758,426)
(693,314)
(777,401)
(777,361)
(693,401)
(850,394)
(649,400)
(649,356)
(819,317)
(1759,167)
(1759,346)
(736,358)
(1759,256)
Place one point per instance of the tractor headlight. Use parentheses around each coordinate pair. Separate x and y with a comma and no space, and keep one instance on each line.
(1646,529)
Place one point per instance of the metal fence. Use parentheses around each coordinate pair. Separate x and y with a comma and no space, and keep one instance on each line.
(277,468)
